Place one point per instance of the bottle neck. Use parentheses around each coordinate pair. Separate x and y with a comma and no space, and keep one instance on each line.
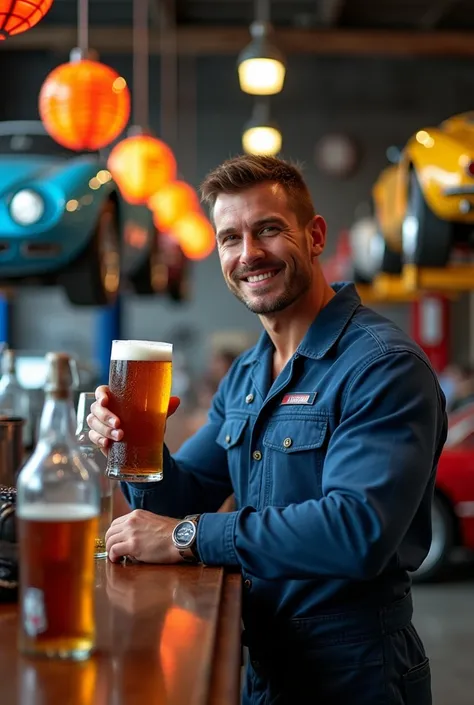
(9,378)
(58,419)
(8,363)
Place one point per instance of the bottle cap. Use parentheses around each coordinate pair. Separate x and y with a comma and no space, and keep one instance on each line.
(62,374)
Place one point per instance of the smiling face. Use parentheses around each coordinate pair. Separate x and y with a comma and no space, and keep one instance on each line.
(267,256)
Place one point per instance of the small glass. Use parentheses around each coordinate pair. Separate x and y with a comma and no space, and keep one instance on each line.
(93,453)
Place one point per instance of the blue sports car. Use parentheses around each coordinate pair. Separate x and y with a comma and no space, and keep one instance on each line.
(63,221)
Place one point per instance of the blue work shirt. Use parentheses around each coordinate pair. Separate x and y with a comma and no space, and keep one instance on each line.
(332,465)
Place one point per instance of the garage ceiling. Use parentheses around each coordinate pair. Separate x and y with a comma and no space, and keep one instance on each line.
(361,14)
(211,27)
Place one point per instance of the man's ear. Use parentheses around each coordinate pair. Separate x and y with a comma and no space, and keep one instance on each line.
(318,230)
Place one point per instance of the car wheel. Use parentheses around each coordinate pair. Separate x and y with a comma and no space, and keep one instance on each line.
(93,278)
(442,542)
(426,238)
(384,259)
(149,278)
(178,288)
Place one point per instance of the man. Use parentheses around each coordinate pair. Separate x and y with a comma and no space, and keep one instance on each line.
(328,433)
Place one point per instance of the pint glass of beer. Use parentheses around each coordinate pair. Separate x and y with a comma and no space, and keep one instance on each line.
(140,389)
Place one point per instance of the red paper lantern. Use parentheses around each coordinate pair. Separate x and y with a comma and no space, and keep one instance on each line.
(141,165)
(17,16)
(195,234)
(171,202)
(84,105)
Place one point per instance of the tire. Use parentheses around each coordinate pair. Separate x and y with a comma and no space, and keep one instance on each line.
(93,279)
(175,269)
(383,258)
(426,239)
(178,290)
(360,278)
(148,277)
(436,562)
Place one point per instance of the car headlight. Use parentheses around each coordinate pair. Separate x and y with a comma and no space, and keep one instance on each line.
(26,207)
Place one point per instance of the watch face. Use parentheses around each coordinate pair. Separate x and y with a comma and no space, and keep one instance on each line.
(185,533)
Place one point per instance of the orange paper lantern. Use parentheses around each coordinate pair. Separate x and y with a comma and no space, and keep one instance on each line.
(141,165)
(171,202)
(195,234)
(17,16)
(84,105)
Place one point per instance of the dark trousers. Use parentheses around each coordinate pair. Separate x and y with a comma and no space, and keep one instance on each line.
(358,657)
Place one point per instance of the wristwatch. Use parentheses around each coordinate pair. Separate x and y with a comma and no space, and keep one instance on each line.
(184,538)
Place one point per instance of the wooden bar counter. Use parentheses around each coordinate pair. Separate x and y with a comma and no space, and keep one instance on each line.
(166,635)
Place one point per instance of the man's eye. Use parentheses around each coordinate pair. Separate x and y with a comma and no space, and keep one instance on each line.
(269,230)
(229,238)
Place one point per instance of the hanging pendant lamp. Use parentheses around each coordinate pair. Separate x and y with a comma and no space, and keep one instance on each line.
(195,235)
(141,164)
(18,16)
(261,135)
(261,65)
(171,201)
(84,105)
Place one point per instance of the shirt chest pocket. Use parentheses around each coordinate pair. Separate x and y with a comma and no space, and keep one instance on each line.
(296,449)
(233,438)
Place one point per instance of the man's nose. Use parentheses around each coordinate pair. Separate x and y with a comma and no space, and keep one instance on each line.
(251,250)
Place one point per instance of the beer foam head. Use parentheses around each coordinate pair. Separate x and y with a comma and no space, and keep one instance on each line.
(141,350)
(60,511)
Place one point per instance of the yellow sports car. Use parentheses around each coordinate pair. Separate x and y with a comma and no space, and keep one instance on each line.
(389,211)
(436,191)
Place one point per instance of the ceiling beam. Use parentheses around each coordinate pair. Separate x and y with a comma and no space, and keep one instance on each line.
(212,41)
(162,12)
(329,12)
(436,13)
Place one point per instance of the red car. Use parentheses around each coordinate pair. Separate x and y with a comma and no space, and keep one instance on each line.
(453,504)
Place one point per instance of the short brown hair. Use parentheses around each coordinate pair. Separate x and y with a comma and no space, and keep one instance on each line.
(243,172)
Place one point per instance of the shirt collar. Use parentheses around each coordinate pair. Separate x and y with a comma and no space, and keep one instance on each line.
(326,328)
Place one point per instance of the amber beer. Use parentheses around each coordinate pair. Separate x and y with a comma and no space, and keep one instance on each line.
(57,579)
(140,389)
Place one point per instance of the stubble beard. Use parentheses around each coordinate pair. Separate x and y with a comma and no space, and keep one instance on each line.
(298,285)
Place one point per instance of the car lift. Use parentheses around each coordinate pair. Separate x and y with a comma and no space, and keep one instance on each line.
(429,293)
(5,318)
(386,289)
(108,328)
(453,278)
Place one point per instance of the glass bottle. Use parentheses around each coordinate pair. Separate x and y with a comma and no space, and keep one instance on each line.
(58,505)
(14,399)
(93,453)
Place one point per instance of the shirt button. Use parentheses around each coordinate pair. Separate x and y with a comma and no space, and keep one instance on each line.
(249,398)
(256,455)
(228,439)
(287,442)
(247,584)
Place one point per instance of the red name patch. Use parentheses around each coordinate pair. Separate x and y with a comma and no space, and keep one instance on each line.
(299,398)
